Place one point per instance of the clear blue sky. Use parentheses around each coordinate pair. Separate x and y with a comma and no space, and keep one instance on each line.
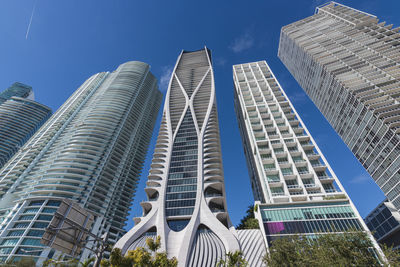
(70,40)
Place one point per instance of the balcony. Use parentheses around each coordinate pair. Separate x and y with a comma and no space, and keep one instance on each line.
(310,185)
(296,192)
(270,181)
(330,190)
(213,195)
(278,194)
(215,210)
(282,161)
(325,177)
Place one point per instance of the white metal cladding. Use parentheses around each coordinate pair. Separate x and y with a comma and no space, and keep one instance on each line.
(185,187)
(91,151)
(348,64)
(252,245)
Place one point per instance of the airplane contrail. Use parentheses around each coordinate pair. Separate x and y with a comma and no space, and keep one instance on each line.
(30,21)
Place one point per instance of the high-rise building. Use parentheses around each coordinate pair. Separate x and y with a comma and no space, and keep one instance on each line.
(186,204)
(296,190)
(91,151)
(18,90)
(20,118)
(348,64)
(384,223)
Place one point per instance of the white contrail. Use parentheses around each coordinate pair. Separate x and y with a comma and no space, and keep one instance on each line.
(30,21)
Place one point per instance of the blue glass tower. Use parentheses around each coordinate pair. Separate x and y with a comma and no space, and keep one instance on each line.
(20,117)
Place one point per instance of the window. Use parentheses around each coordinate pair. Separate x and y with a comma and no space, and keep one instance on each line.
(49,210)
(36,203)
(6,250)
(273,178)
(269,166)
(40,224)
(32,242)
(25,217)
(21,225)
(287,171)
(45,217)
(9,242)
(15,233)
(54,203)
(31,210)
(37,233)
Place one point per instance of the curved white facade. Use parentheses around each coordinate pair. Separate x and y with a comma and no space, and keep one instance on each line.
(91,151)
(186,195)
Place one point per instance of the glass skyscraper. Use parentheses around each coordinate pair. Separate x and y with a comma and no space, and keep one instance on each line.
(348,64)
(186,203)
(20,118)
(18,90)
(384,223)
(295,189)
(91,151)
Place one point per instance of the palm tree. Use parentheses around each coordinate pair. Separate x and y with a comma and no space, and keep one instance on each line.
(87,262)
(233,259)
(152,244)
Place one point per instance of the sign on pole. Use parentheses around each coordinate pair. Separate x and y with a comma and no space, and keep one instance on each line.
(69,228)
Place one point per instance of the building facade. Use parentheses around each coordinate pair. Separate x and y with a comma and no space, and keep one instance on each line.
(186,204)
(91,151)
(384,223)
(20,118)
(18,90)
(348,64)
(295,189)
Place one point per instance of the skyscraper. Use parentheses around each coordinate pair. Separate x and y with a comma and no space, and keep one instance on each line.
(20,118)
(348,64)
(18,90)
(91,151)
(186,204)
(384,223)
(297,191)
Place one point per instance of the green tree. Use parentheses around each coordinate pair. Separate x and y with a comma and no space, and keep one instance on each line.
(233,259)
(26,262)
(141,257)
(152,244)
(59,262)
(392,255)
(87,262)
(347,249)
(248,221)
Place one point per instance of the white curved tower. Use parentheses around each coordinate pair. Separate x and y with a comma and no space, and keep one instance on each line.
(90,151)
(186,195)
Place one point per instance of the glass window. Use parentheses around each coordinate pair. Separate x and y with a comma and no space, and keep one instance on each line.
(287,171)
(54,203)
(6,250)
(31,242)
(15,233)
(21,225)
(25,217)
(10,242)
(37,233)
(49,210)
(36,203)
(177,225)
(31,210)
(40,224)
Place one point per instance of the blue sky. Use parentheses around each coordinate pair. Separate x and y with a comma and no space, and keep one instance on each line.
(68,41)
